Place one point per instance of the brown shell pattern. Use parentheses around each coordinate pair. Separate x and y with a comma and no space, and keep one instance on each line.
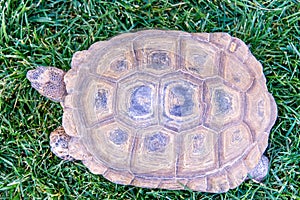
(169,109)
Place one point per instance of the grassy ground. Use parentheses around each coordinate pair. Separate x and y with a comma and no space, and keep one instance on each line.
(36,33)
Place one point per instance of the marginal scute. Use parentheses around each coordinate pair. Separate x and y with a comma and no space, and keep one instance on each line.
(262,141)
(222,40)
(120,177)
(69,78)
(218,183)
(253,157)
(203,37)
(70,101)
(68,123)
(237,173)
(255,66)
(77,150)
(94,166)
(173,184)
(98,46)
(239,49)
(197,184)
(78,58)
(149,182)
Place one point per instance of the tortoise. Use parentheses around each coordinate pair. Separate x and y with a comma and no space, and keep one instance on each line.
(163,109)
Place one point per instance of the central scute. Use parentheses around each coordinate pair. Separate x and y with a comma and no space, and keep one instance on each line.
(173,101)
(181,101)
(140,101)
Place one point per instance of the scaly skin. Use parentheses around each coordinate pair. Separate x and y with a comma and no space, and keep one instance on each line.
(261,170)
(49,82)
(59,142)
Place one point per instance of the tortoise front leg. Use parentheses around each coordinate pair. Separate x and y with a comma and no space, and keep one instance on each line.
(59,142)
(67,147)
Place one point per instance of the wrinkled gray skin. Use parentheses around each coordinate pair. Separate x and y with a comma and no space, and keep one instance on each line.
(49,82)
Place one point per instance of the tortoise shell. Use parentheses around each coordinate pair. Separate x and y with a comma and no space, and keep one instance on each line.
(168,109)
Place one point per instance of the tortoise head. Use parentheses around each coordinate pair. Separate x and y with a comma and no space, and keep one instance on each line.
(49,82)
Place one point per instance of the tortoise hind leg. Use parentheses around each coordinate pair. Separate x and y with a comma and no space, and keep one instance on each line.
(59,142)
(261,170)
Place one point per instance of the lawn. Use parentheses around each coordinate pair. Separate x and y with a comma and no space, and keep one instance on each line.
(49,32)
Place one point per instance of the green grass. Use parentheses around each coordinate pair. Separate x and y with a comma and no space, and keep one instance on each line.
(36,33)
